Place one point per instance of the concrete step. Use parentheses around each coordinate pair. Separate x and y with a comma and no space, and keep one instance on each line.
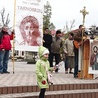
(83,93)
(56,87)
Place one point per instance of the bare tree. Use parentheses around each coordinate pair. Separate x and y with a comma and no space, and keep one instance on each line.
(4,19)
(69,27)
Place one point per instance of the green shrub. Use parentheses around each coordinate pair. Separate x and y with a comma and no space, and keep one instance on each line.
(31,61)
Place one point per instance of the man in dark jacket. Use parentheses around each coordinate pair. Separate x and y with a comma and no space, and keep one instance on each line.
(5,47)
(47,41)
(78,38)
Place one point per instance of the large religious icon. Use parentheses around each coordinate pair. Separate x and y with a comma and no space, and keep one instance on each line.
(29,28)
(93,59)
(94,56)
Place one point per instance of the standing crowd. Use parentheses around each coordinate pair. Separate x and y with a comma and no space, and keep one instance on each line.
(55,44)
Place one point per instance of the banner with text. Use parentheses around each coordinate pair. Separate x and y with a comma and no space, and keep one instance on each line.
(28,24)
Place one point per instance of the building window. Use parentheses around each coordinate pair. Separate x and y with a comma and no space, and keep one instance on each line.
(22,53)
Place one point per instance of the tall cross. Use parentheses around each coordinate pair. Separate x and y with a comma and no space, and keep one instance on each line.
(84,13)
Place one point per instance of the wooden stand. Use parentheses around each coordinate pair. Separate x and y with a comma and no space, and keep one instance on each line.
(86,55)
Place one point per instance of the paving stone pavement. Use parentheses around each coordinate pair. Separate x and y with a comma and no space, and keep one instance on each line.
(24,75)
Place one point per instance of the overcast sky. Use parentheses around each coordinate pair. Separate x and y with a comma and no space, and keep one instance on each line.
(9,8)
(66,10)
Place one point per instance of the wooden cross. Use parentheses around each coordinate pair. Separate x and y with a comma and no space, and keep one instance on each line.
(84,13)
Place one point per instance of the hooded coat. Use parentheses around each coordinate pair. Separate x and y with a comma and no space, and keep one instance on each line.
(42,66)
(5,40)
